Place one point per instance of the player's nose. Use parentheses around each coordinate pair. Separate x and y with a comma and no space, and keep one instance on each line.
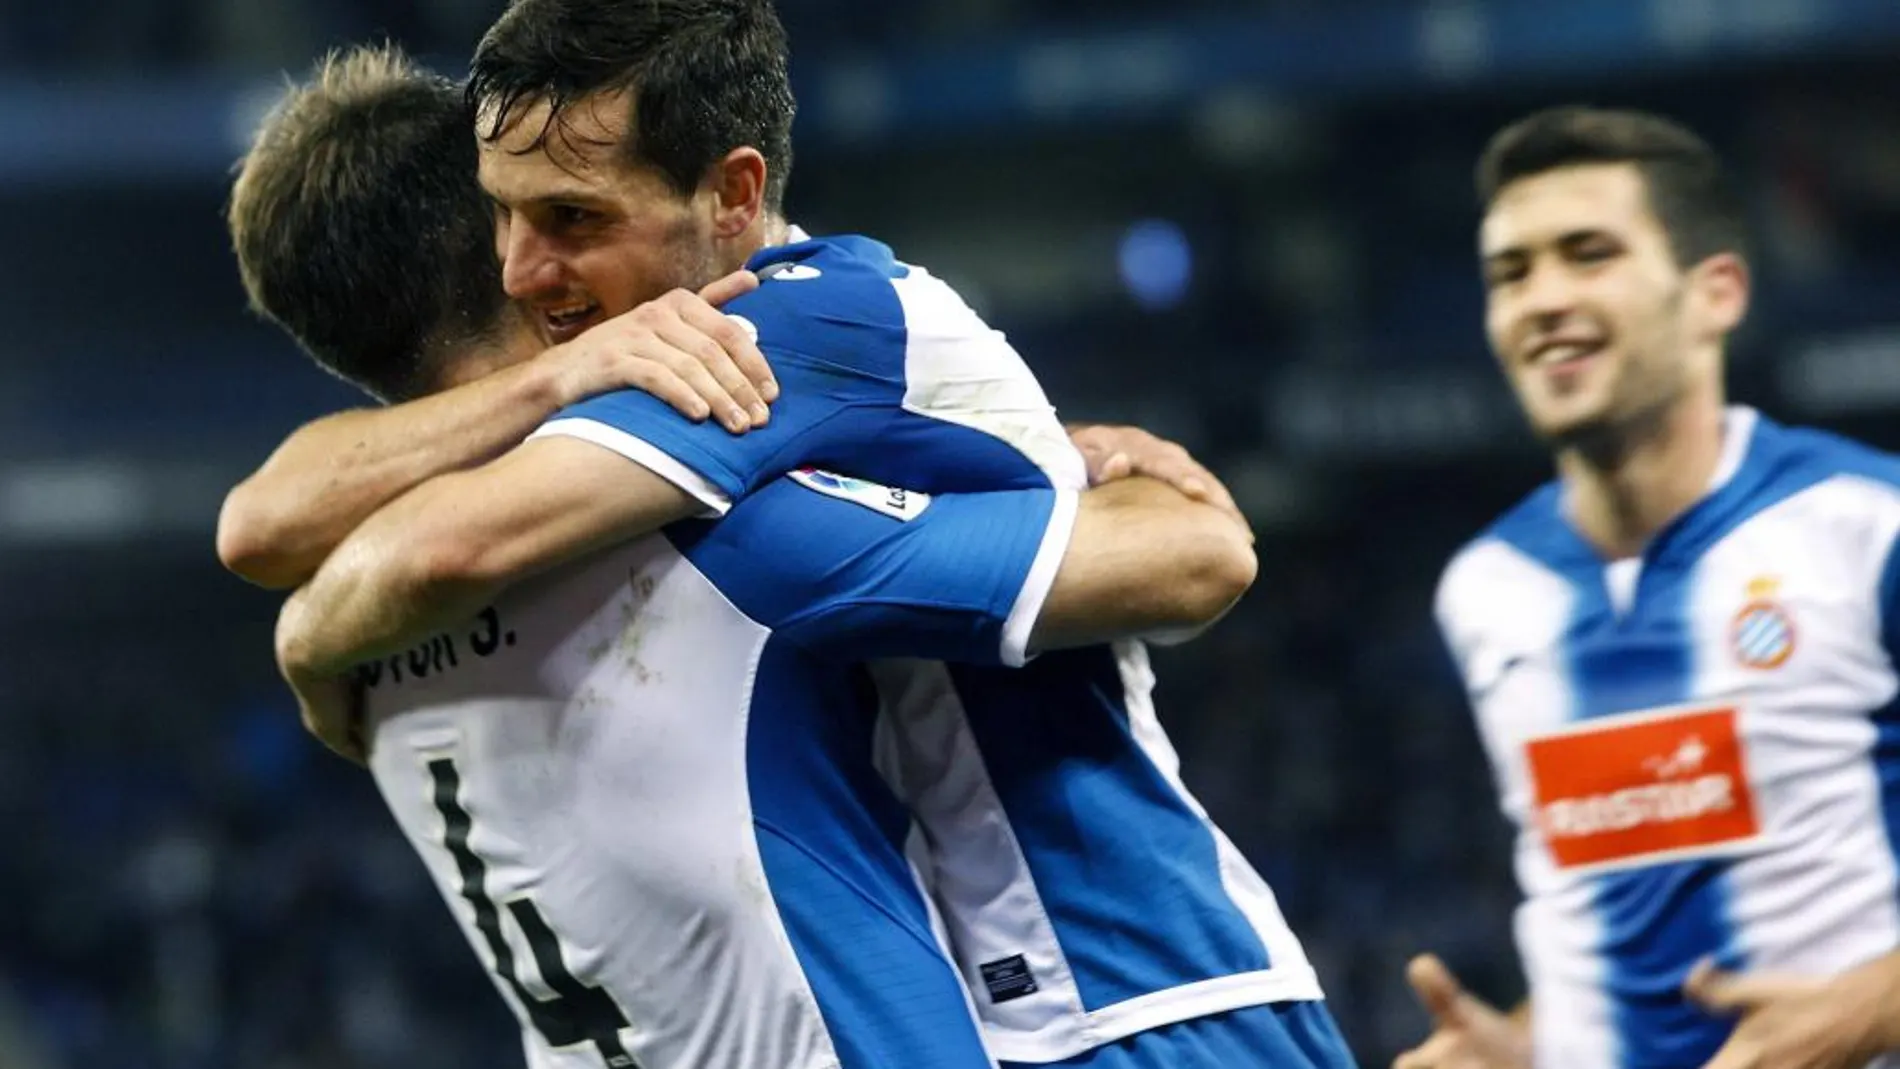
(528,267)
(1548,292)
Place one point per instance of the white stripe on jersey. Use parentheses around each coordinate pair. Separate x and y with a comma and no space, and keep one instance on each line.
(959,369)
(642,453)
(1825,896)
(1021,624)
(978,875)
(1494,592)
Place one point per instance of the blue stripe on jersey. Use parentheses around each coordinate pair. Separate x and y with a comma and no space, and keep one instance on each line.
(1137,909)
(1890,603)
(829,832)
(1660,920)
(1887,720)
(839,344)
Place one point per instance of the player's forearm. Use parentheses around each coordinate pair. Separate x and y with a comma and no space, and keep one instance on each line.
(278,526)
(1144,559)
(418,565)
(370,600)
(439,553)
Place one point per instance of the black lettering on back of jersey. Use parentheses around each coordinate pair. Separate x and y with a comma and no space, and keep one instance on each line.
(486,638)
(578,1013)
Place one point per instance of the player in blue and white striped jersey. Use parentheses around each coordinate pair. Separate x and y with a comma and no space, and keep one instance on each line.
(850,330)
(1682,653)
(1049,798)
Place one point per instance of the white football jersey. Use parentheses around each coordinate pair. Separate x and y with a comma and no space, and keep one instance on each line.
(1700,748)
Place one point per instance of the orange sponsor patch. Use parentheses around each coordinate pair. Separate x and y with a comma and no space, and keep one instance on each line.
(1643,788)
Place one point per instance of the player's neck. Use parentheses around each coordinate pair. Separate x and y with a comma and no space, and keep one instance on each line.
(768,231)
(777,231)
(1620,493)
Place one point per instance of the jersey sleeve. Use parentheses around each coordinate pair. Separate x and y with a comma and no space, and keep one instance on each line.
(884,373)
(858,570)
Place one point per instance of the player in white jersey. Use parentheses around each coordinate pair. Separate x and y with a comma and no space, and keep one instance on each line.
(645,781)
(1682,653)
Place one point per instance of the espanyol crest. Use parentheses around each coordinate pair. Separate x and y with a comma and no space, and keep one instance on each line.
(1762,634)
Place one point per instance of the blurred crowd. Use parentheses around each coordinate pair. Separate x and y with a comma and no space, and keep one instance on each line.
(145,35)
(192,885)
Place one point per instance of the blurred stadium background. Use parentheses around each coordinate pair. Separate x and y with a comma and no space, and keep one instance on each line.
(1246,225)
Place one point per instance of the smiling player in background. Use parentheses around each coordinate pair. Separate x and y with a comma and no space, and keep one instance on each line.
(1681,653)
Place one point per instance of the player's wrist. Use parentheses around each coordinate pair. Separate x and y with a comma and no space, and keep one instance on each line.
(549,382)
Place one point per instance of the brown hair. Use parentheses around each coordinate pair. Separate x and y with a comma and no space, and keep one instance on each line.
(1688,190)
(708,76)
(359,225)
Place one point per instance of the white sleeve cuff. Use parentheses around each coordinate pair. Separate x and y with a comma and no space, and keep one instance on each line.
(643,453)
(1042,578)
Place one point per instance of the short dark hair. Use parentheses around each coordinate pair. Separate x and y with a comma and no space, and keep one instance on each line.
(707,76)
(1690,193)
(360,227)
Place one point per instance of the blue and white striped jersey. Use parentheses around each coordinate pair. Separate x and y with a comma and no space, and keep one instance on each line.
(1049,799)
(1086,893)
(885,373)
(1700,747)
(644,782)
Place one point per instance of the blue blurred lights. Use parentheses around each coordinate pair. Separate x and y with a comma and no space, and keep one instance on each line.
(1157,264)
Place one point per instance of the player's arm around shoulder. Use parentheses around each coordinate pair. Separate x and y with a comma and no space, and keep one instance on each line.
(278,525)
(1144,560)
(446,548)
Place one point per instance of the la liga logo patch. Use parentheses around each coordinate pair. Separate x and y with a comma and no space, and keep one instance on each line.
(897,503)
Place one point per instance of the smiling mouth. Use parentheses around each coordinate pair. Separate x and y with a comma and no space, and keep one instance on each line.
(1564,354)
(564,323)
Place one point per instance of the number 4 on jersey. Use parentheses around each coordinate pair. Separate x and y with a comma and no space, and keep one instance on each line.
(578,1013)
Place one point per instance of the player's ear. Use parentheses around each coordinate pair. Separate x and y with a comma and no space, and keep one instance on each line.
(1719,286)
(738,188)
